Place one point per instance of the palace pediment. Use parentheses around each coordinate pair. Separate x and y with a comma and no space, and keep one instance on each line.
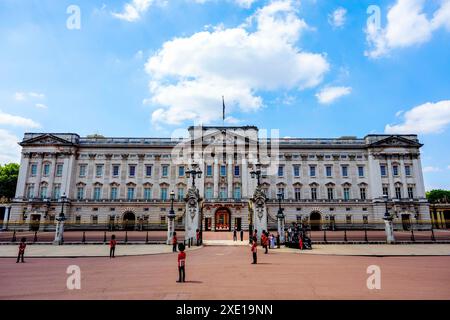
(46,139)
(395,141)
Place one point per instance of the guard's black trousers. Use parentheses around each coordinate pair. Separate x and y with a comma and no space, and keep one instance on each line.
(112,251)
(20,257)
(174,248)
(254,257)
(181,274)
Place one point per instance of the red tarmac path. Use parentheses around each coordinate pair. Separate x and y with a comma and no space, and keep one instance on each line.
(226,273)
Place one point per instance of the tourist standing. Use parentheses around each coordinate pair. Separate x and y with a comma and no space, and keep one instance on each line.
(112,246)
(254,249)
(242,234)
(181,263)
(174,242)
(235,234)
(197,235)
(22,247)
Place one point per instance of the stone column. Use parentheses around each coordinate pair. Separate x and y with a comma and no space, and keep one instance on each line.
(23,175)
(390,175)
(259,211)
(418,177)
(389,229)
(216,178)
(51,176)
(403,178)
(373,172)
(230,178)
(37,189)
(6,218)
(244,177)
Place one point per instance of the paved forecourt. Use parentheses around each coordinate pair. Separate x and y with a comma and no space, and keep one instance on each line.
(225,272)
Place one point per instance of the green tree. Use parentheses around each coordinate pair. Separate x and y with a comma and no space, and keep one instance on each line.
(8,180)
(438,195)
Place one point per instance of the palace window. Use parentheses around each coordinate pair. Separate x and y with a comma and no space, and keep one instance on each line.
(33,169)
(113,193)
(80,193)
(345,171)
(280,171)
(362,192)
(408,170)
(312,171)
(130,193)
(115,170)
(59,170)
(180,193)
(163,193)
(365,219)
(99,170)
(237,171)
(209,192)
(181,171)
(43,192)
(296,171)
(330,193)
(398,192)
(346,194)
(132,171)
(209,171)
(56,191)
(361,171)
(82,170)
(147,193)
(395,170)
(237,193)
(348,219)
(46,169)
(298,195)
(162,219)
(94,219)
(223,192)
(97,193)
(386,191)
(383,170)
(281,191)
(78,219)
(411,192)
(314,193)
(223,171)
(328,171)
(30,191)
(165,171)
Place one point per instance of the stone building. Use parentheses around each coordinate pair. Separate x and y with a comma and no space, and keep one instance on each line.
(126,182)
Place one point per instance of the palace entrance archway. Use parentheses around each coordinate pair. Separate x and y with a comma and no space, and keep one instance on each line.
(223,219)
(314,220)
(128,220)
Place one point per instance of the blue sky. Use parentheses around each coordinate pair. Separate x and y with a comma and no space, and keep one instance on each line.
(311,68)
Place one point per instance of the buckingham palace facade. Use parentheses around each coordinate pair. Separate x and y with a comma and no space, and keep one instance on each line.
(128,182)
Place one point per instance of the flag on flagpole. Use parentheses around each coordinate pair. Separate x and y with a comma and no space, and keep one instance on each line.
(223,108)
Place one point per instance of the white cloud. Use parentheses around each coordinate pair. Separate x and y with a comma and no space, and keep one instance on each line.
(338,17)
(407,25)
(10,150)
(431,169)
(190,75)
(330,94)
(41,106)
(426,118)
(245,3)
(132,11)
(23,96)
(17,121)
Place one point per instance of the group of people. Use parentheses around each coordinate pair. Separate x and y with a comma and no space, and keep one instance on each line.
(296,236)
(267,241)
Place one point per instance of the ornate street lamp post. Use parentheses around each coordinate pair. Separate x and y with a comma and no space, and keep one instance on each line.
(388,226)
(171,219)
(194,173)
(254,174)
(280,218)
(59,232)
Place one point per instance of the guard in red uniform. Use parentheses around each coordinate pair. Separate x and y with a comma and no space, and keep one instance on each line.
(174,242)
(197,236)
(22,247)
(181,263)
(254,249)
(264,241)
(112,246)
